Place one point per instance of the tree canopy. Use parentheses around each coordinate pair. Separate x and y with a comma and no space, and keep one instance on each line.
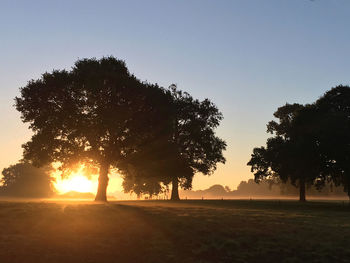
(292,153)
(97,113)
(194,137)
(334,135)
(193,148)
(101,115)
(311,143)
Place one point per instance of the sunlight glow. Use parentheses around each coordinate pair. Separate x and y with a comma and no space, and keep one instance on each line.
(79,181)
(76,182)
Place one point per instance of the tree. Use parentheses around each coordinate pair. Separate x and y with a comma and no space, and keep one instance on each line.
(194,138)
(97,113)
(334,133)
(293,152)
(193,146)
(25,180)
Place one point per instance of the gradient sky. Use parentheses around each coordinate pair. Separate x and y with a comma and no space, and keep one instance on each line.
(249,57)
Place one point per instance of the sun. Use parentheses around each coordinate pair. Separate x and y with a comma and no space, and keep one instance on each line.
(80,181)
(75,182)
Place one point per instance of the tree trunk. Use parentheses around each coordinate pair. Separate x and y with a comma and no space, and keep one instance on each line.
(102,183)
(175,190)
(302,196)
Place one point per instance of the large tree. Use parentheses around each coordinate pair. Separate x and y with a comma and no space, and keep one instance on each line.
(97,113)
(293,153)
(334,134)
(193,147)
(194,137)
(311,143)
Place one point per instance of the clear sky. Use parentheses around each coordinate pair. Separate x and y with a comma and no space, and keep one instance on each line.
(249,57)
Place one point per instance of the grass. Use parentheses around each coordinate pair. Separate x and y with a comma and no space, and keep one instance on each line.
(163,231)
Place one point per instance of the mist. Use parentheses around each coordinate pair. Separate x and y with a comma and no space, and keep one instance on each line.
(266,189)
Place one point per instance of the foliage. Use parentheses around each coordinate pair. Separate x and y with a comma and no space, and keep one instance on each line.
(97,113)
(194,132)
(192,148)
(311,143)
(150,170)
(334,134)
(293,152)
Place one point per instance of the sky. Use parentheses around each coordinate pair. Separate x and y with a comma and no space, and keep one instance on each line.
(248,57)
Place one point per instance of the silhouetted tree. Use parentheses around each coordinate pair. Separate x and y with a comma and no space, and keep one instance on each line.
(293,152)
(25,180)
(151,169)
(194,136)
(146,168)
(193,148)
(97,113)
(334,134)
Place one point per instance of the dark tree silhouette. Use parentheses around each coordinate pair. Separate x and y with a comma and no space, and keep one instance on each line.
(145,169)
(97,113)
(194,136)
(192,148)
(334,134)
(151,169)
(293,152)
(25,180)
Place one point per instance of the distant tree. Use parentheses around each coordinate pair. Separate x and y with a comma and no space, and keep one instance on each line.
(97,113)
(293,152)
(265,188)
(27,181)
(216,191)
(334,134)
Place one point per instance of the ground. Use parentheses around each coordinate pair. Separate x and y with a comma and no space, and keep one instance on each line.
(164,231)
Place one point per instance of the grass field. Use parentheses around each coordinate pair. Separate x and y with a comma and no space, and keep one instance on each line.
(163,231)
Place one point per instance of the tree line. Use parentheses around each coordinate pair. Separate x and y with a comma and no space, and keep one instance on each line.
(310,144)
(23,180)
(100,114)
